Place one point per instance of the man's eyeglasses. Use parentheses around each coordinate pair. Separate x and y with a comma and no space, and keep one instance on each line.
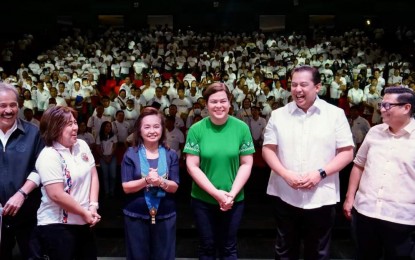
(387,105)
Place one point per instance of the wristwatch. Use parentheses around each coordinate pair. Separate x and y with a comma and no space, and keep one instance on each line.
(25,195)
(323,173)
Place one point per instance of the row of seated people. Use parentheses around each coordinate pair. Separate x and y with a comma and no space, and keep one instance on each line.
(130,72)
(107,60)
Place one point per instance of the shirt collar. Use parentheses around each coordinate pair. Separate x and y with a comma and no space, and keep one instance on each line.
(409,128)
(59,147)
(9,132)
(17,125)
(316,107)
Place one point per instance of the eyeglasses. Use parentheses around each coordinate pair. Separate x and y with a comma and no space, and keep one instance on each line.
(387,105)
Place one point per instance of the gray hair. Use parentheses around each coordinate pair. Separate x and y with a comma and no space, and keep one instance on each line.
(4,87)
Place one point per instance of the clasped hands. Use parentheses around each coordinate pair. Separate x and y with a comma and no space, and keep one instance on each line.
(302,181)
(225,200)
(92,217)
(153,178)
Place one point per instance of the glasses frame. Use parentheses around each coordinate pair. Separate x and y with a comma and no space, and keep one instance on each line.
(388,106)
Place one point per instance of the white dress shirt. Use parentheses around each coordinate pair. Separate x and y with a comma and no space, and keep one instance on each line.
(307,142)
(387,185)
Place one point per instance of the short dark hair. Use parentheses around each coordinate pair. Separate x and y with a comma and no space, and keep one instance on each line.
(105,97)
(405,95)
(314,73)
(149,111)
(26,110)
(214,88)
(53,122)
(119,111)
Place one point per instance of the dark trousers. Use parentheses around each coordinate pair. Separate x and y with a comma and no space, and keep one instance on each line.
(376,238)
(67,242)
(312,225)
(217,229)
(13,233)
(150,241)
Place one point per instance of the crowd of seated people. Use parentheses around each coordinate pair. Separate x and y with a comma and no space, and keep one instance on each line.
(112,76)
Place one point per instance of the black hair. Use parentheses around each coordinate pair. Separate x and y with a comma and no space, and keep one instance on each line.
(405,95)
(314,73)
(102,135)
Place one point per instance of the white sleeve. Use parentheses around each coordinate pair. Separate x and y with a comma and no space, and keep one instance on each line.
(34,177)
(50,168)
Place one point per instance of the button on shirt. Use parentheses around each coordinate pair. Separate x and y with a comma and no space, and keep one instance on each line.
(307,142)
(387,186)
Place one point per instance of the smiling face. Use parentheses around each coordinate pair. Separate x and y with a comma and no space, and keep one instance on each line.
(151,129)
(8,110)
(397,113)
(218,107)
(303,89)
(69,133)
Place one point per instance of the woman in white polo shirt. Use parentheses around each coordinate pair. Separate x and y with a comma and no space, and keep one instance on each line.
(70,189)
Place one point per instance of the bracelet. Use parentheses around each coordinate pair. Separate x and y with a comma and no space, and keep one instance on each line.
(23,193)
(164,185)
(145,178)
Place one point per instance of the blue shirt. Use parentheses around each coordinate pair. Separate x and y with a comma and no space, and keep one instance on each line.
(17,161)
(135,204)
